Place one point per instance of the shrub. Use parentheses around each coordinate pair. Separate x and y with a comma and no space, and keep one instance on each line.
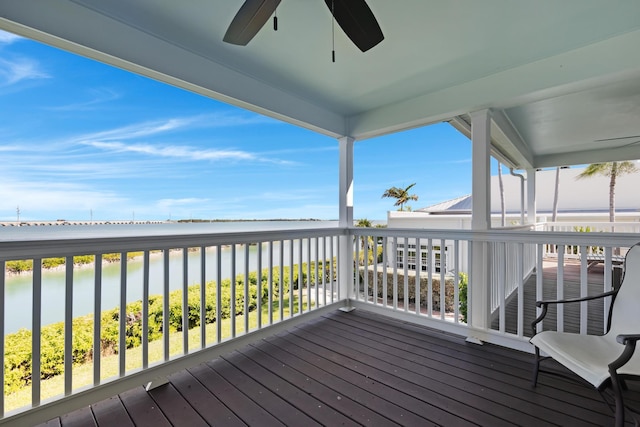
(18,361)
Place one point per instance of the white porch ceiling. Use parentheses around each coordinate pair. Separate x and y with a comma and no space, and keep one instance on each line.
(561,77)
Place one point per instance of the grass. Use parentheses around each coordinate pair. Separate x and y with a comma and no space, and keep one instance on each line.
(109,365)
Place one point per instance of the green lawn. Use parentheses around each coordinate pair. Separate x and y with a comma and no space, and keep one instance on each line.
(83,374)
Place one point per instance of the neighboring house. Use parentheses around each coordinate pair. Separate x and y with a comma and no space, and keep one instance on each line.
(581,202)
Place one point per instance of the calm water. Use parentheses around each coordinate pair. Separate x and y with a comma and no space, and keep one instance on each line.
(18,299)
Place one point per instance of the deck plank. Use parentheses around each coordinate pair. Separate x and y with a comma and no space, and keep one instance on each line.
(361,368)
(272,403)
(143,409)
(306,402)
(175,407)
(246,409)
(79,418)
(111,412)
(214,412)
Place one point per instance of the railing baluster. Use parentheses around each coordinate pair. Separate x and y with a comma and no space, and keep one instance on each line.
(165,306)
(456,279)
(232,302)
(607,286)
(97,318)
(68,326)
(332,279)
(375,271)
(443,283)
(281,282)
(385,266)
(520,281)
(259,285)
(36,330)
(339,268)
(357,264)
(395,273)
(317,281)
(185,300)
(560,288)
(500,254)
(324,270)
(122,342)
(203,296)
(300,278)
(416,280)
(539,282)
(270,308)
(308,274)
(218,293)
(145,309)
(405,271)
(246,288)
(291,290)
(584,290)
(430,264)
(365,268)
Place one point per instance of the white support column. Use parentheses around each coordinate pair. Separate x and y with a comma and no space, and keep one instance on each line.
(531,196)
(346,281)
(480,219)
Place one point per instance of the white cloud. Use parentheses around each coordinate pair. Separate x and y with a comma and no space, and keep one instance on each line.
(20,69)
(8,38)
(180,152)
(97,96)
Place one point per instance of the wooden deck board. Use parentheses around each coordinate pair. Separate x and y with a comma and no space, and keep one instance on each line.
(361,368)
(142,409)
(571,289)
(111,412)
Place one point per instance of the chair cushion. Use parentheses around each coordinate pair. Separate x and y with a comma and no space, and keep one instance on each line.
(586,355)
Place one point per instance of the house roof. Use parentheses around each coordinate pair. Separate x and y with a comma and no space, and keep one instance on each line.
(561,78)
(575,195)
(459,205)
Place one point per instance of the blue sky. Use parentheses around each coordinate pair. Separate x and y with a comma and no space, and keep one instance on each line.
(80,140)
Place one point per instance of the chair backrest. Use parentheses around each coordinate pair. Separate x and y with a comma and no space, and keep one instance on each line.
(625,312)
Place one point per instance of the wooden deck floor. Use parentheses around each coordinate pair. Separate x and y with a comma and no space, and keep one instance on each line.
(571,281)
(355,369)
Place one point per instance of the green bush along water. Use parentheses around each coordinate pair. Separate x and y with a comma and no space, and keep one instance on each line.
(18,345)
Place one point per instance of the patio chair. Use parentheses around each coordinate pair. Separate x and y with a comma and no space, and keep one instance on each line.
(602,360)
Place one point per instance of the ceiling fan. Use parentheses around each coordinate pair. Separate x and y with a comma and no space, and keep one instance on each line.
(354,17)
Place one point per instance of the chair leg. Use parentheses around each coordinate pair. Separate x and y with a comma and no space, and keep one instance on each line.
(536,368)
(617,392)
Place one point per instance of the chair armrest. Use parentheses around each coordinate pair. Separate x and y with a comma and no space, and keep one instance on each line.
(545,305)
(626,338)
(564,301)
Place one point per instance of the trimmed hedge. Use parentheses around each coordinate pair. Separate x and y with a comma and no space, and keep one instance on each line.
(18,345)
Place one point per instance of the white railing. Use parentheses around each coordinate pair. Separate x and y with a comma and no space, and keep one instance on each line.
(414,274)
(200,281)
(594,252)
(517,259)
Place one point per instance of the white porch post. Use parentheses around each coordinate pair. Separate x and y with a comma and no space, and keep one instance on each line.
(480,218)
(531,196)
(345,279)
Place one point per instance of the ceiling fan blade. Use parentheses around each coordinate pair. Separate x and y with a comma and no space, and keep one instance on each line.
(251,17)
(357,21)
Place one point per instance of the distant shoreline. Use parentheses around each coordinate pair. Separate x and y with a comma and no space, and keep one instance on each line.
(64,222)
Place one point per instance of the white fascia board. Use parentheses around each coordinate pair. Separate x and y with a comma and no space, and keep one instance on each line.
(630,152)
(568,72)
(69,28)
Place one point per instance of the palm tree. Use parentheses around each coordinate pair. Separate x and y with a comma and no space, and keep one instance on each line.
(612,170)
(401,195)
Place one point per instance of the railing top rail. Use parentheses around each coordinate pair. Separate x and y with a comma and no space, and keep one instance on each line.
(57,247)
(501,235)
